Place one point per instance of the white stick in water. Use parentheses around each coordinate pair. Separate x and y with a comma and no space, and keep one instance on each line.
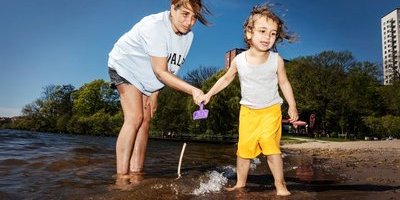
(180,159)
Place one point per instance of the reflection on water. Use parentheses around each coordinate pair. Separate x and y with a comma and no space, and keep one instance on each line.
(59,166)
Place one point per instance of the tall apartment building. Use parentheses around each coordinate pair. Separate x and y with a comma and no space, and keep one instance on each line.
(390,25)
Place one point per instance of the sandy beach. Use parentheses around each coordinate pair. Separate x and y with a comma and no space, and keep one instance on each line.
(368,164)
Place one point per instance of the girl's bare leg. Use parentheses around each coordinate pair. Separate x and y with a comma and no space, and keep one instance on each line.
(275,163)
(242,171)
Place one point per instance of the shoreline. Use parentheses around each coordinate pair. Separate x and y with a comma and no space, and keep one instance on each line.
(346,145)
(365,164)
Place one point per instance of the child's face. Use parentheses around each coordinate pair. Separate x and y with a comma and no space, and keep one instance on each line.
(182,19)
(264,34)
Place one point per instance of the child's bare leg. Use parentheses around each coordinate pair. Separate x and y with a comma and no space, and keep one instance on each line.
(242,170)
(276,165)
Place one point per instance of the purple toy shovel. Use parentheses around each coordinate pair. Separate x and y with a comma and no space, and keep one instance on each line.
(200,114)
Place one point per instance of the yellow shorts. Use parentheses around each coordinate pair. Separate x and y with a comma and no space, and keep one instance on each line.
(260,130)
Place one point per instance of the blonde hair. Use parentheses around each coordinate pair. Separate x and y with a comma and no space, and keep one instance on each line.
(199,9)
(264,10)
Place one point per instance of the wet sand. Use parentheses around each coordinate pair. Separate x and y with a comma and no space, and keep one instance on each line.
(364,165)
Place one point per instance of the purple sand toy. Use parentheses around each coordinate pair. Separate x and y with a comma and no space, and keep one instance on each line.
(200,114)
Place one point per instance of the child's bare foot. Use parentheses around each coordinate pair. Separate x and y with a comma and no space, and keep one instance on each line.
(236,187)
(281,189)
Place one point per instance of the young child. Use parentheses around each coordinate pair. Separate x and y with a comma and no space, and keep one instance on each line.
(260,71)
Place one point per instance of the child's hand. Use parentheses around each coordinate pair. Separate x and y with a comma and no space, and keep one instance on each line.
(293,114)
(206,98)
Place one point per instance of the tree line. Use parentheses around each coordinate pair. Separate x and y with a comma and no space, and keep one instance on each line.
(346,96)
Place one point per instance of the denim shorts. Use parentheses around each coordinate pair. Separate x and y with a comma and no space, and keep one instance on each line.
(116,79)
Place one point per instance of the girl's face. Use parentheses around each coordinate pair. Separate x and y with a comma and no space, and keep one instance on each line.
(264,34)
(182,19)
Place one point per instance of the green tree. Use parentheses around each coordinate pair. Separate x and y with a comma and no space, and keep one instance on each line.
(339,90)
(43,113)
(223,108)
(94,107)
(391,99)
(360,96)
(172,114)
(95,96)
(316,81)
(198,76)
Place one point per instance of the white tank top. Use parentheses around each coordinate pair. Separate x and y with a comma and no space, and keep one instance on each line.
(259,83)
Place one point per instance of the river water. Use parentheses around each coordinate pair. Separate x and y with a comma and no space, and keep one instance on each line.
(59,166)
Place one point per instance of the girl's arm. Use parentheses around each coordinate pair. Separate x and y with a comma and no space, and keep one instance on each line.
(222,82)
(160,68)
(287,90)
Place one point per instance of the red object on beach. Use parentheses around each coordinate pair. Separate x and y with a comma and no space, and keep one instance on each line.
(296,123)
(299,123)
(200,114)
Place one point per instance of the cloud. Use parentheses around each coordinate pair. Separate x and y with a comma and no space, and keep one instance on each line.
(9,112)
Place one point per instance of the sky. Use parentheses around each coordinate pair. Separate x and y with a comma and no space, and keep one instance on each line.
(44,42)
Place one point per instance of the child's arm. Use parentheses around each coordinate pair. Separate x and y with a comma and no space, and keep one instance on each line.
(222,82)
(287,90)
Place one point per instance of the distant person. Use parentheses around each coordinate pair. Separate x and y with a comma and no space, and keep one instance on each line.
(140,63)
(260,70)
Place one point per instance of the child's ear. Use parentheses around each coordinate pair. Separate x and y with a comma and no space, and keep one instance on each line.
(248,33)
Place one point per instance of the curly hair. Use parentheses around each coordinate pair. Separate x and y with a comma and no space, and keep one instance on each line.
(264,10)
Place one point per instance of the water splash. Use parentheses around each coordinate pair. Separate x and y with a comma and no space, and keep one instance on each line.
(284,155)
(253,164)
(229,171)
(214,183)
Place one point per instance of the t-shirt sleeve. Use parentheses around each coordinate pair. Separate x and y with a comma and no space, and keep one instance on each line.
(154,40)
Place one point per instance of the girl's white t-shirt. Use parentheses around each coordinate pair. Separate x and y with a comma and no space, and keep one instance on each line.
(151,36)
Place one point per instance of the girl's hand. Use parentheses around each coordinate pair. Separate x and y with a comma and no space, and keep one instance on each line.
(293,114)
(206,98)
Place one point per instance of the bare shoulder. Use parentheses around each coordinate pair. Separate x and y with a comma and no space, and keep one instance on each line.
(280,59)
(281,62)
(233,64)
